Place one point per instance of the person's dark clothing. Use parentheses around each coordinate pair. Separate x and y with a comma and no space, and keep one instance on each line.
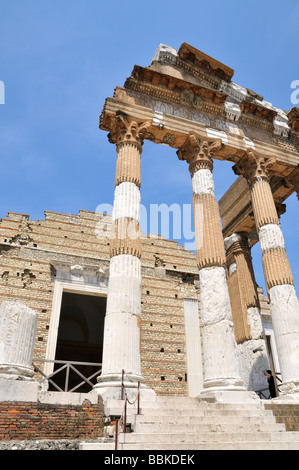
(271,386)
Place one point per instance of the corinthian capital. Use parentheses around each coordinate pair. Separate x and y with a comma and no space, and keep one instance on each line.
(198,152)
(254,166)
(126,130)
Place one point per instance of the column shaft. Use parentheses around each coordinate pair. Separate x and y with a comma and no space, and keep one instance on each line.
(245,304)
(121,348)
(284,304)
(221,371)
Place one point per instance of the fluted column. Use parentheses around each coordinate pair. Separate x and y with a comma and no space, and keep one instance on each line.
(279,280)
(121,348)
(17,334)
(221,371)
(245,304)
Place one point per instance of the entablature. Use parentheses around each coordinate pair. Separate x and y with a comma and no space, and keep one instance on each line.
(187,91)
(171,124)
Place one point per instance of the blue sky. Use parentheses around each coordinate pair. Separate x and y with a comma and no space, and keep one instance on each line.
(59,60)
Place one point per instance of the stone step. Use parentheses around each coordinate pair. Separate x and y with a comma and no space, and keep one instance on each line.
(194,420)
(190,438)
(172,405)
(287,418)
(155,413)
(186,403)
(283,412)
(172,402)
(211,427)
(236,445)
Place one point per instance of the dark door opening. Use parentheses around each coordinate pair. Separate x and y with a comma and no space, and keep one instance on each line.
(80,337)
(268,339)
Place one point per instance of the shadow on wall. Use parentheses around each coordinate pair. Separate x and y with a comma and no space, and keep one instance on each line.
(257,377)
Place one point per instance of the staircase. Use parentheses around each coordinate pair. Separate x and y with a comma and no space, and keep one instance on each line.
(174,423)
(285,413)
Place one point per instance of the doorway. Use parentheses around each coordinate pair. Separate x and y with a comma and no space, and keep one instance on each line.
(80,337)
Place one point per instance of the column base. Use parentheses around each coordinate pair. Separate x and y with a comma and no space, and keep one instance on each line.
(229,396)
(16,372)
(18,390)
(224,384)
(228,391)
(109,387)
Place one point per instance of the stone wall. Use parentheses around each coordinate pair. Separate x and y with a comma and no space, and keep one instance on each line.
(30,250)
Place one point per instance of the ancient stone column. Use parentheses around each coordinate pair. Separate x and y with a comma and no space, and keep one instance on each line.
(121,348)
(245,304)
(284,304)
(221,371)
(17,335)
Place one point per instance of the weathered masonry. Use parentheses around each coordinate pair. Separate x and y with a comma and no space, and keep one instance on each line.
(173,322)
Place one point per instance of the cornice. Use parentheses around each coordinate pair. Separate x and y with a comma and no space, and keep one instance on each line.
(200,60)
(169,56)
(149,76)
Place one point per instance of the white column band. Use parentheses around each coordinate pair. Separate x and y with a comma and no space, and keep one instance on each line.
(203,182)
(270,236)
(126,201)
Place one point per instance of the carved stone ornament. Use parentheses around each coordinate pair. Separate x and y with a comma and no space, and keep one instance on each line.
(188,98)
(198,153)
(80,274)
(253,166)
(127,130)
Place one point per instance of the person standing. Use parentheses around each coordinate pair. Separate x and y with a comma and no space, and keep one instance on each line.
(271,384)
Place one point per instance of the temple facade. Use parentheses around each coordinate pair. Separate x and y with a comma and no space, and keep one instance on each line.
(159,318)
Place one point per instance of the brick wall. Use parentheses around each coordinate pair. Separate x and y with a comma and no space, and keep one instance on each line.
(169,274)
(28,421)
(28,247)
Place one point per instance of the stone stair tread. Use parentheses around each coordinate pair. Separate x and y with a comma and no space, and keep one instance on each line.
(148,438)
(254,445)
(193,420)
(213,427)
(200,405)
(205,412)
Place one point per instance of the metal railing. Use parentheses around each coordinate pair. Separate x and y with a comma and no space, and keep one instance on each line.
(71,371)
(261,393)
(123,417)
